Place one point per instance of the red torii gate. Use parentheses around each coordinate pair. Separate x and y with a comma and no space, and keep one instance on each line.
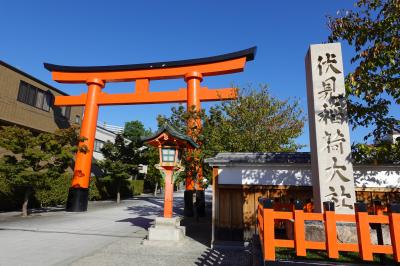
(192,70)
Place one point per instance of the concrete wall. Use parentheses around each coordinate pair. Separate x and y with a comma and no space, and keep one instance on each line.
(365,176)
(15,112)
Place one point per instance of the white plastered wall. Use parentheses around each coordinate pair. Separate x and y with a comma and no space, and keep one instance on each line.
(365,176)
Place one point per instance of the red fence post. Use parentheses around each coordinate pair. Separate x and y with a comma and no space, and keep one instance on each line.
(269,230)
(330,230)
(394,224)
(299,234)
(363,232)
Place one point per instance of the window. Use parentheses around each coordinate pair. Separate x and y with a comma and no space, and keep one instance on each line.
(47,101)
(39,99)
(98,144)
(77,119)
(23,93)
(66,111)
(33,96)
(168,155)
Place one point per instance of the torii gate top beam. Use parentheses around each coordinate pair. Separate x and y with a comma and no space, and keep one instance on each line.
(207,66)
(143,73)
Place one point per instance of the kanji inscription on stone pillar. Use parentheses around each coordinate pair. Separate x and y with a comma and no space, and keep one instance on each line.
(332,169)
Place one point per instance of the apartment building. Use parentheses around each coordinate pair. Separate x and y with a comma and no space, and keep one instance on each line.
(28,102)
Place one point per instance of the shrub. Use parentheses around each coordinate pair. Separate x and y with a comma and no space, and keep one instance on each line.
(56,192)
(137,187)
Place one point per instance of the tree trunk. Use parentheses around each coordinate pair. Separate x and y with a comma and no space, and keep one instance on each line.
(118,192)
(155,190)
(25,204)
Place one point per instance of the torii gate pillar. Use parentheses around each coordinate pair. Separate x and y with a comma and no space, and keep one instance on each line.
(193,80)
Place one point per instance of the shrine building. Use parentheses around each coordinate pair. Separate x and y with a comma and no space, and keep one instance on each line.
(239,179)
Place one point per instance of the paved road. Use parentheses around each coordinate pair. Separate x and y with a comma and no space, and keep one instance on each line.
(59,238)
(108,235)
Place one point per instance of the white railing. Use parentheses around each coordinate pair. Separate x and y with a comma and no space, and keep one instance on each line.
(113,128)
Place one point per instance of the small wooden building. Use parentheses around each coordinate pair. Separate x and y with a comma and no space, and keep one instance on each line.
(239,179)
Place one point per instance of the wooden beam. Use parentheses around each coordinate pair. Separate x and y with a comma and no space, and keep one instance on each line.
(144,97)
(70,100)
(211,69)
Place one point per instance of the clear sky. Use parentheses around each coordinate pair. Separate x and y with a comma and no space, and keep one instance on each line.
(128,32)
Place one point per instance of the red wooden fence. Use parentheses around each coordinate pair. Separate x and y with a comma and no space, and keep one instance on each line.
(266,217)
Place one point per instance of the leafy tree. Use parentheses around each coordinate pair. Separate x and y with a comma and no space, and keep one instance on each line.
(384,152)
(254,122)
(134,130)
(153,177)
(33,160)
(373,87)
(121,160)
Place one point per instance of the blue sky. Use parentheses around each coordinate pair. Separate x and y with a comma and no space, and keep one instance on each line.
(128,32)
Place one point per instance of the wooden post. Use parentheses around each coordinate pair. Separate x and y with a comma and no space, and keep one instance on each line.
(330,230)
(363,232)
(394,224)
(269,230)
(215,200)
(168,193)
(299,235)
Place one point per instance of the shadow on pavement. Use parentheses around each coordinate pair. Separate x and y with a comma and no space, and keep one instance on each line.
(222,257)
(157,210)
(142,222)
(145,210)
(198,229)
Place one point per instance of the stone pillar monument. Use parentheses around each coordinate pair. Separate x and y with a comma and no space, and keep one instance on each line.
(332,169)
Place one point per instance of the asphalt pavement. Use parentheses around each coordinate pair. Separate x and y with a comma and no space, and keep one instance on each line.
(107,234)
(57,237)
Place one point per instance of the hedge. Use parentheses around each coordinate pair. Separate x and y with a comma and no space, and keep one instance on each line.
(57,192)
(137,187)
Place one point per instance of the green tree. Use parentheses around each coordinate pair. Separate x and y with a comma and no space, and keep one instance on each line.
(134,130)
(153,179)
(254,122)
(32,160)
(120,162)
(372,29)
(384,152)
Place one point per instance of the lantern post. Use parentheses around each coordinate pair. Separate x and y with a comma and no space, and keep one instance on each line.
(170,143)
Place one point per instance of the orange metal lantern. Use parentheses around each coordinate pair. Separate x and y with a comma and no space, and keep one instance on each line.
(193,71)
(170,143)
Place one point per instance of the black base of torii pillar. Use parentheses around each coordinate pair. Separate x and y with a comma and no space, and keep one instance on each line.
(199,208)
(77,200)
(188,201)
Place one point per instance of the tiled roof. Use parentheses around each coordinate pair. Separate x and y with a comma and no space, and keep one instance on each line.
(260,158)
(173,132)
